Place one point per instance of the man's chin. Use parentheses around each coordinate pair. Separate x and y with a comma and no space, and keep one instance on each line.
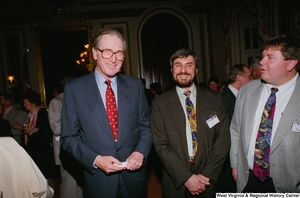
(184,85)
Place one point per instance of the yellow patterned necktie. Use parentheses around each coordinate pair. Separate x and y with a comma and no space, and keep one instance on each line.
(191,114)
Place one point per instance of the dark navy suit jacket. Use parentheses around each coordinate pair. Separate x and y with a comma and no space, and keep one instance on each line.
(86,133)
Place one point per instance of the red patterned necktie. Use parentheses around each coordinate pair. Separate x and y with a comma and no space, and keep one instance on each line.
(261,167)
(191,114)
(111,110)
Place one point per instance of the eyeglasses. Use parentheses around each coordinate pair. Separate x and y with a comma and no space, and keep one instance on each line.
(108,53)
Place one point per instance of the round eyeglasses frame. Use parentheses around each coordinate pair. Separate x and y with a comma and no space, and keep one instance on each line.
(108,53)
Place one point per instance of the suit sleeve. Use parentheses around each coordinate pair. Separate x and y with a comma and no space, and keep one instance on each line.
(145,141)
(235,135)
(71,132)
(179,172)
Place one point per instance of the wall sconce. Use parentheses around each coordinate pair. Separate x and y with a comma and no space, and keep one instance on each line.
(11,82)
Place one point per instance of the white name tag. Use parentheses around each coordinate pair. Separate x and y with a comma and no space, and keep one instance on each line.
(212,121)
(296,126)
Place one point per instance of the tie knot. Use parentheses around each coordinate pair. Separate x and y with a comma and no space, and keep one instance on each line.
(187,93)
(107,82)
(274,90)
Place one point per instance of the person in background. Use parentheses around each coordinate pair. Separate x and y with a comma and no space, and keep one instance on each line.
(15,116)
(70,170)
(5,128)
(56,91)
(265,128)
(255,68)
(213,83)
(106,123)
(155,89)
(239,75)
(20,177)
(37,135)
(148,93)
(191,132)
(223,86)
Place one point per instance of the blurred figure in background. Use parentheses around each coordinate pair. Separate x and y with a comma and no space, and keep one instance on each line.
(5,128)
(70,170)
(155,89)
(255,68)
(239,75)
(38,135)
(213,83)
(15,116)
(148,93)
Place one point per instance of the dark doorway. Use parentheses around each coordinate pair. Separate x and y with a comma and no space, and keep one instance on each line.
(162,35)
(60,50)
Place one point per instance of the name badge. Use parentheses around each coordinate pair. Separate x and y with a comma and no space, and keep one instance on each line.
(213,120)
(296,126)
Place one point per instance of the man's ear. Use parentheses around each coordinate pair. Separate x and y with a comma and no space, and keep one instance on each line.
(238,78)
(291,64)
(95,53)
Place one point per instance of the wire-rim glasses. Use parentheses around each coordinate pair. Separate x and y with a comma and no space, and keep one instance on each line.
(108,53)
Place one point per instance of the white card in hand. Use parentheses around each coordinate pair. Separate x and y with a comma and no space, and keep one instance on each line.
(123,164)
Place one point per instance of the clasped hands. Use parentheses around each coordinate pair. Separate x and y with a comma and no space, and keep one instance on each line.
(196,184)
(107,163)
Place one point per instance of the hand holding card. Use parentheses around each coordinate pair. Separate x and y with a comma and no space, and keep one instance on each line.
(123,164)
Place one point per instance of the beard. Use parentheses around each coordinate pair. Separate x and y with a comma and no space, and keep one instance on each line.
(183,84)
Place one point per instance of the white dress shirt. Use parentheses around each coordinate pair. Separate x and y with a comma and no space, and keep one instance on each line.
(283,96)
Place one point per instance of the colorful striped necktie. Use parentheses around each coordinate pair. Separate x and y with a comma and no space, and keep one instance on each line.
(111,110)
(261,167)
(191,114)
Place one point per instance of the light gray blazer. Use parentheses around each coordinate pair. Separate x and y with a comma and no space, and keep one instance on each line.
(285,148)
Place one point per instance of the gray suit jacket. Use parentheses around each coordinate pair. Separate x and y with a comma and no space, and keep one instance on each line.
(16,116)
(169,133)
(86,133)
(284,154)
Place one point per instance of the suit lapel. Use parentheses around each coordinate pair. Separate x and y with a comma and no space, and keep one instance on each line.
(290,114)
(251,107)
(94,100)
(177,115)
(123,105)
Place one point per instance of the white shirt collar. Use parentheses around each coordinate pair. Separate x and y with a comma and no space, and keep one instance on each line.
(233,90)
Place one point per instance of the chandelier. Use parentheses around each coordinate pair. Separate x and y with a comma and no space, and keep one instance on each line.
(84,59)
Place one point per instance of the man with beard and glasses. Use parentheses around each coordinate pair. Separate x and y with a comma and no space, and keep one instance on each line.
(191,132)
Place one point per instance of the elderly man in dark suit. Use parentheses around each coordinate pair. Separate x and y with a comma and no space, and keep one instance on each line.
(112,144)
(191,132)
